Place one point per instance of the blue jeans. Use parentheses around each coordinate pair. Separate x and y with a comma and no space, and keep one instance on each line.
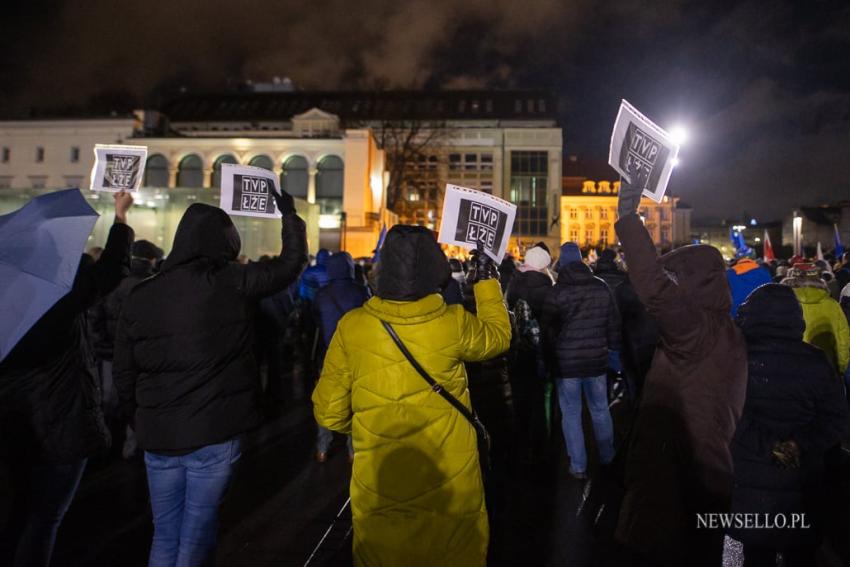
(569,395)
(52,488)
(186,492)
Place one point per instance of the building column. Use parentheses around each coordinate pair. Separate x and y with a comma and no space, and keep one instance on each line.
(172,176)
(311,185)
(208,177)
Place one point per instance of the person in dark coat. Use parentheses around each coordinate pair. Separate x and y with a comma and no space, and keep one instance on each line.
(315,277)
(51,419)
(187,374)
(580,325)
(679,461)
(338,297)
(794,412)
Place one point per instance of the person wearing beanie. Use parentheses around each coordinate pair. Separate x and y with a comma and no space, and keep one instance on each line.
(580,325)
(536,259)
(413,450)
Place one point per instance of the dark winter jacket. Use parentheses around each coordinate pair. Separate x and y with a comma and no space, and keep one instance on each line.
(315,277)
(185,362)
(679,460)
(341,295)
(607,271)
(580,323)
(791,394)
(105,313)
(533,287)
(50,398)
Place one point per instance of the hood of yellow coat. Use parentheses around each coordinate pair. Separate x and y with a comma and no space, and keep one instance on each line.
(811,294)
(406,312)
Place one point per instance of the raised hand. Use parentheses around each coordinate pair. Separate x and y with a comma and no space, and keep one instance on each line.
(123,202)
(482,267)
(285,202)
(630,193)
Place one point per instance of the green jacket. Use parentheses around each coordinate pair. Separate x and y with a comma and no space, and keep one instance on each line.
(826,326)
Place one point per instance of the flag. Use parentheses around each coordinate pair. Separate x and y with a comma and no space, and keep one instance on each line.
(768,248)
(820,251)
(839,248)
(381,236)
(741,248)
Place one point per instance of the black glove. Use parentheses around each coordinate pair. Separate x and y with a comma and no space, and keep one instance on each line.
(285,203)
(482,267)
(630,193)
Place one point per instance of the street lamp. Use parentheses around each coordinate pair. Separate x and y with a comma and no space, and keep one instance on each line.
(679,134)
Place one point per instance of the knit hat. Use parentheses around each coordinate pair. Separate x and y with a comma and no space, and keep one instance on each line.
(537,258)
(570,253)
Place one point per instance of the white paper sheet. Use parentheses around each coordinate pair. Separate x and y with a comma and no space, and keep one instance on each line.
(470,217)
(638,142)
(246,191)
(118,168)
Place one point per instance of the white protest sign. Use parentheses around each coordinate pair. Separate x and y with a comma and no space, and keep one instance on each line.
(118,168)
(471,217)
(246,191)
(638,143)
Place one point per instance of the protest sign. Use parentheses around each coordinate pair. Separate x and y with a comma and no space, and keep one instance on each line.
(118,168)
(471,217)
(638,143)
(247,191)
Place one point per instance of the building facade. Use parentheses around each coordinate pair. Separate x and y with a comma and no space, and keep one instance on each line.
(588,210)
(818,224)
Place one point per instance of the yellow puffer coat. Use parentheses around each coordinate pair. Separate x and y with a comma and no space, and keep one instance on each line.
(826,325)
(416,491)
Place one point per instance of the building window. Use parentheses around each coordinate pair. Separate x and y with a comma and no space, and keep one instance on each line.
(588,236)
(529,184)
(573,213)
(156,171)
(329,185)
(664,212)
(216,174)
(603,214)
(574,235)
(73,181)
(603,235)
(7,154)
(39,154)
(38,181)
(190,172)
(588,213)
(5,181)
(486,162)
(75,154)
(295,177)
(487,187)
(264,162)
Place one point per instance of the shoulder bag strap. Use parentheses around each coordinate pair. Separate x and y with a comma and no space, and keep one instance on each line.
(457,404)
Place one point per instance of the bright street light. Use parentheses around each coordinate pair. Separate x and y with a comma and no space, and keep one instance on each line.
(679,134)
(675,162)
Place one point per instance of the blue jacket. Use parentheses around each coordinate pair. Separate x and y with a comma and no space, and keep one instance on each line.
(743,278)
(341,295)
(315,277)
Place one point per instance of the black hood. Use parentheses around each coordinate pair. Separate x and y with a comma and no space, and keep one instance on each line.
(412,264)
(575,273)
(204,232)
(771,311)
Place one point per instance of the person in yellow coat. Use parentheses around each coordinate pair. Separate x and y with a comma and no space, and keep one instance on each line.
(417,496)
(826,326)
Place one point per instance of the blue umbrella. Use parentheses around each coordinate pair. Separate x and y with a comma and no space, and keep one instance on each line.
(40,248)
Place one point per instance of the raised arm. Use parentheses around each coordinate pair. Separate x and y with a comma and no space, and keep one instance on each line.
(488,333)
(259,279)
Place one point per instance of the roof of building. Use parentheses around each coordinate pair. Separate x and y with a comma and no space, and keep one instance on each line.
(365,105)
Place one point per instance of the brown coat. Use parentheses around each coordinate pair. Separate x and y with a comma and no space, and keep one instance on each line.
(679,461)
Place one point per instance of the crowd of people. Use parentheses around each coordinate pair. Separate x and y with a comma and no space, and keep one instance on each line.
(443,374)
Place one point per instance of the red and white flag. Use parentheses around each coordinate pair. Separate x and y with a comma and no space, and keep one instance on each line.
(768,248)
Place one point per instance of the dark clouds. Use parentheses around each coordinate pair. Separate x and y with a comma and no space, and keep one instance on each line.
(764,85)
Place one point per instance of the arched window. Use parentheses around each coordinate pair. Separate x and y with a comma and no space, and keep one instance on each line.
(190,172)
(216,176)
(294,177)
(262,161)
(156,171)
(329,185)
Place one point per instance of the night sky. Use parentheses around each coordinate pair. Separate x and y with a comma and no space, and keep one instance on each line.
(763,86)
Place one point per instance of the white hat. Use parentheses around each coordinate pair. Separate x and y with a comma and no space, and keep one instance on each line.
(537,259)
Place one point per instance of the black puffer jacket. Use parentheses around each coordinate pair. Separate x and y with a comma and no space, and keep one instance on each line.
(531,286)
(580,322)
(49,394)
(607,271)
(184,363)
(791,394)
